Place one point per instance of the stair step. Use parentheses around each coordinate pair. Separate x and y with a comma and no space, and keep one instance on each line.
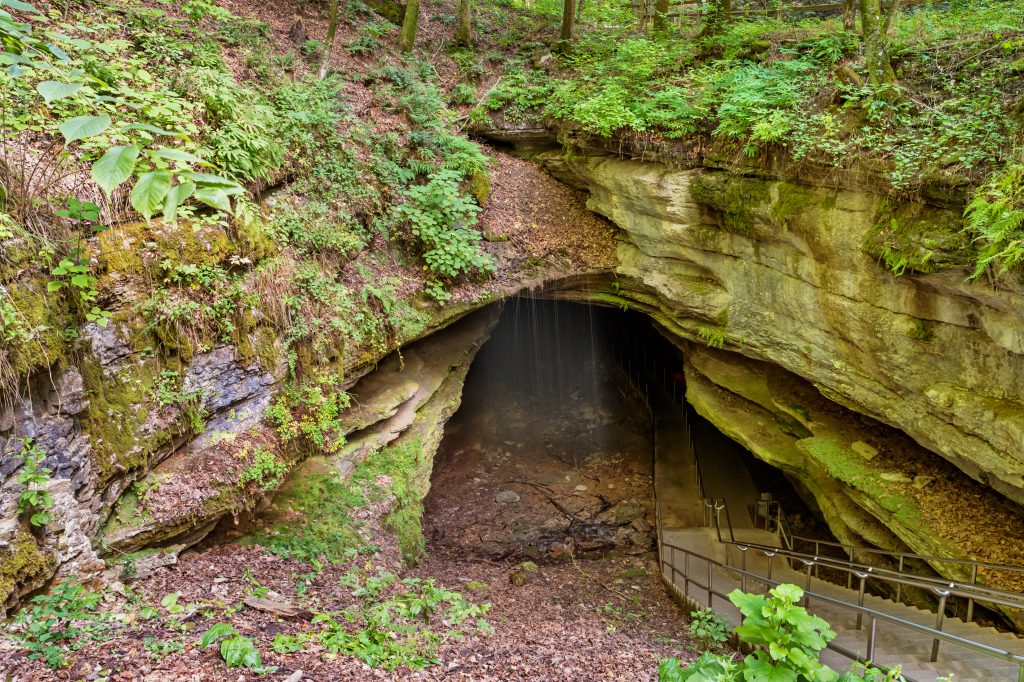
(894,644)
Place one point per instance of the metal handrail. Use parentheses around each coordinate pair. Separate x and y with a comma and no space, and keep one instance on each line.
(861,611)
(941,589)
(773,512)
(911,555)
(949,588)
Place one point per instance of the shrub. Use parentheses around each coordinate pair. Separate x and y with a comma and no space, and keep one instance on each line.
(787,644)
(265,470)
(441,217)
(311,411)
(34,500)
(395,621)
(708,629)
(60,622)
(236,650)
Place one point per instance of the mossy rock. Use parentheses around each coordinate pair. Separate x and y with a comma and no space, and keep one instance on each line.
(738,203)
(24,563)
(133,248)
(909,236)
(119,406)
(45,316)
(392,11)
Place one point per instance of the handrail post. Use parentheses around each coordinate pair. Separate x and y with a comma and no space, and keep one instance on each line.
(807,600)
(938,623)
(817,553)
(899,585)
(743,567)
(686,574)
(860,597)
(711,574)
(872,631)
(672,561)
(970,600)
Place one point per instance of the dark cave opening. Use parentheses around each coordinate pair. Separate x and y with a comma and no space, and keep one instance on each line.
(552,449)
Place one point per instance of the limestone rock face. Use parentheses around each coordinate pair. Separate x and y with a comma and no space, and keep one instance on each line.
(790,274)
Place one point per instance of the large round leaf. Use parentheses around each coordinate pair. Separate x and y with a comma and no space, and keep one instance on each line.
(115,167)
(55,90)
(149,192)
(81,127)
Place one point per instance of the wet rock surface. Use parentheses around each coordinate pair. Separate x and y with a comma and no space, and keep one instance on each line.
(543,469)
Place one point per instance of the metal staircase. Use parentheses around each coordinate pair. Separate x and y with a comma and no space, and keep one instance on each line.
(927,645)
(702,563)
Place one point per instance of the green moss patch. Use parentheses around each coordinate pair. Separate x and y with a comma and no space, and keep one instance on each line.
(910,236)
(312,516)
(119,406)
(844,464)
(23,563)
(737,202)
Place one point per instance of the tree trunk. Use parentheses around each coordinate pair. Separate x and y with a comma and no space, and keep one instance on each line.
(332,30)
(889,19)
(464,33)
(718,15)
(849,14)
(660,12)
(568,24)
(876,56)
(568,20)
(407,38)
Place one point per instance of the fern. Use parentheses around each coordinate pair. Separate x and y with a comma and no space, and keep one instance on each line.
(995,218)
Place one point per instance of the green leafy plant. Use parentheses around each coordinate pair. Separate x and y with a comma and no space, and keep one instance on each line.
(396,622)
(159,649)
(34,501)
(441,217)
(312,411)
(74,273)
(236,650)
(190,402)
(265,470)
(787,642)
(715,338)
(708,629)
(60,622)
(995,219)
(288,644)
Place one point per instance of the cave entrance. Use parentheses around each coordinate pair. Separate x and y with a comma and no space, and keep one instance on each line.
(553,447)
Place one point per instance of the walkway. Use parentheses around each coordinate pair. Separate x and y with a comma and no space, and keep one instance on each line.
(701,569)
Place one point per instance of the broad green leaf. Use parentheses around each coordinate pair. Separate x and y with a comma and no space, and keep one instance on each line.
(219,199)
(149,192)
(19,6)
(54,286)
(216,632)
(758,668)
(175,198)
(788,592)
(169,600)
(178,155)
(55,90)
(115,167)
(239,652)
(207,180)
(58,53)
(153,129)
(81,127)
